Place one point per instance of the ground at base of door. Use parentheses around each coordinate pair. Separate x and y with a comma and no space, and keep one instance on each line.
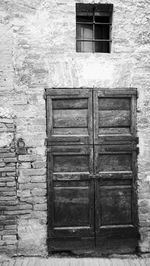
(125,260)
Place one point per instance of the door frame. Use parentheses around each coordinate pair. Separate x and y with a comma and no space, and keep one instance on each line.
(105,140)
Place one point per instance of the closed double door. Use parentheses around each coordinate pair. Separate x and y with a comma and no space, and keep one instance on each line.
(91,155)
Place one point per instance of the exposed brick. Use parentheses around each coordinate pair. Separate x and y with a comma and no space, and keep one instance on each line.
(7,160)
(2,184)
(4,150)
(4,189)
(11,184)
(14,202)
(7,169)
(9,237)
(7,179)
(11,174)
(9,232)
(11,242)
(7,155)
(7,193)
(11,227)
(8,222)
(6,198)
(2,242)
(18,212)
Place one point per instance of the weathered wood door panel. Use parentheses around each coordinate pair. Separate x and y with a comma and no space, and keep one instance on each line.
(71,196)
(114,116)
(92,169)
(116,217)
(69,116)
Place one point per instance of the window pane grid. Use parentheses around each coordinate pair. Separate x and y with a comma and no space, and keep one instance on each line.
(101,28)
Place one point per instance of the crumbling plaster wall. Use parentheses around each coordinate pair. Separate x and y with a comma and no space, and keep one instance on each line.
(38,50)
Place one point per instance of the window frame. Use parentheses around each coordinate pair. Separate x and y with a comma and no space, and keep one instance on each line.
(103,10)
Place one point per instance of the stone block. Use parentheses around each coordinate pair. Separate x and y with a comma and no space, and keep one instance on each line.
(40,215)
(41,199)
(39,164)
(32,186)
(39,192)
(33,172)
(24,193)
(27,158)
(40,207)
(25,165)
(38,179)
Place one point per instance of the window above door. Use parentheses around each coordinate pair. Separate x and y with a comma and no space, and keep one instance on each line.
(93,27)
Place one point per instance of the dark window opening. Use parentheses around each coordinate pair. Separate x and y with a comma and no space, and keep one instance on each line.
(93,27)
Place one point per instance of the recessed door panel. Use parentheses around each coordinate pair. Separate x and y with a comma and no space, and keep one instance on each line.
(71,194)
(69,117)
(115,195)
(114,115)
(116,205)
(71,199)
(114,162)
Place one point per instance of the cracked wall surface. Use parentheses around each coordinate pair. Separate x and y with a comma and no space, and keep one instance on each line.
(38,50)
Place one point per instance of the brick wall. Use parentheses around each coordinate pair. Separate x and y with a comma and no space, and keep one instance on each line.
(8,187)
(37,50)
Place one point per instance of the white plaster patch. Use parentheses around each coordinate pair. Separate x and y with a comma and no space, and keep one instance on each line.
(31,231)
(6,139)
(6,112)
(95,70)
(37,25)
(148,178)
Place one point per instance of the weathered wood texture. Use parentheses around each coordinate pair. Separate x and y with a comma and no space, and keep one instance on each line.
(91,188)
(69,116)
(114,115)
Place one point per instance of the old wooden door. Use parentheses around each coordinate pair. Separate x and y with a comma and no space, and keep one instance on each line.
(91,149)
